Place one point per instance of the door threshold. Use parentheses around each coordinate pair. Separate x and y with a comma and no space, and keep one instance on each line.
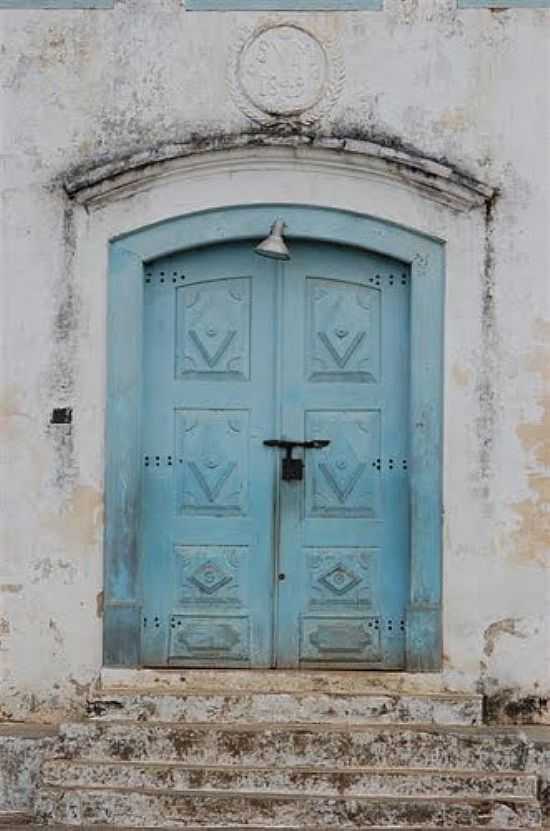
(181,680)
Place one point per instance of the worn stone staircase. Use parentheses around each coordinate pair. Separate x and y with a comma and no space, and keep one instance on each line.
(300,756)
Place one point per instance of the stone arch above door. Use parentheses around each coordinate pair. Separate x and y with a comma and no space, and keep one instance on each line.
(437,181)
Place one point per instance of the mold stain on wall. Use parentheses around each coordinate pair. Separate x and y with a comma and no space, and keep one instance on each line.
(5,631)
(47,568)
(64,359)
(487,386)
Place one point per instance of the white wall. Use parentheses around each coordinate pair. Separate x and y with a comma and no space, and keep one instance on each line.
(81,88)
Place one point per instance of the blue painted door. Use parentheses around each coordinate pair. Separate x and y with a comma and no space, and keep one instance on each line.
(240,568)
(344,533)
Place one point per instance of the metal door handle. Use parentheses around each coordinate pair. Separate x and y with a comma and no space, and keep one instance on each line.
(293,469)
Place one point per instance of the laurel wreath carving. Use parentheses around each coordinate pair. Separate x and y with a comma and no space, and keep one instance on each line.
(311,113)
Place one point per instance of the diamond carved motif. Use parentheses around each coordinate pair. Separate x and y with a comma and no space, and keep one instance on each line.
(342,577)
(209,577)
(340,580)
(209,574)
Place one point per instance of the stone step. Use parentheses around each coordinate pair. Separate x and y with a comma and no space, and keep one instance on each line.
(188,808)
(272,745)
(14,819)
(110,827)
(357,708)
(336,782)
(271,680)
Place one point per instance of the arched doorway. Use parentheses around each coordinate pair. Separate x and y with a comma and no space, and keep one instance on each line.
(213,350)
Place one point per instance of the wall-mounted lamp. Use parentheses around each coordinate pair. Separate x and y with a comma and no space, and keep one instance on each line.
(274,245)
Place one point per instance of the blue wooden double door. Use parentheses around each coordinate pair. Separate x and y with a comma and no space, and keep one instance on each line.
(242,567)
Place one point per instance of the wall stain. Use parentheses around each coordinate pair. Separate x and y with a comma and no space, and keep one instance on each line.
(65,470)
(456,120)
(505,626)
(10,406)
(56,632)
(65,355)
(106,167)
(81,690)
(531,540)
(45,568)
(11,415)
(461,376)
(487,385)
(11,588)
(81,520)
(509,706)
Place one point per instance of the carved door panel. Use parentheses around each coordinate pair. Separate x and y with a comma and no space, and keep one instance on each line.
(241,569)
(208,493)
(344,546)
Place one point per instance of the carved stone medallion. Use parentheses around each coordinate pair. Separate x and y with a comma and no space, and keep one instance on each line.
(283,72)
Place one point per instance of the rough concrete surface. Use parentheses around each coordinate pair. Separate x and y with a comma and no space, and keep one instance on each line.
(22,751)
(194,759)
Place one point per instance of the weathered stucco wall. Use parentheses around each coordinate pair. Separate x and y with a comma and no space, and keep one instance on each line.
(23,748)
(83,88)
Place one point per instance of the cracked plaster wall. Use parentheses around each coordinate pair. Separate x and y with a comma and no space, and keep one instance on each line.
(86,87)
